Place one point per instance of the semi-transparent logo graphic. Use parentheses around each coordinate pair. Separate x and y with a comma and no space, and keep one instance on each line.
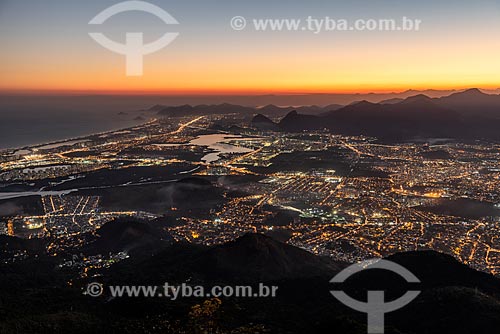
(134,48)
(376,306)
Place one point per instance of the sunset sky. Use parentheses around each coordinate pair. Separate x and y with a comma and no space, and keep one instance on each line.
(46,47)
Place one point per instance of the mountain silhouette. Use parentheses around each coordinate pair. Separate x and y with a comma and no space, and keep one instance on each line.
(250,258)
(274,109)
(127,236)
(414,116)
(261,258)
(262,122)
(473,102)
(225,108)
(471,114)
(188,110)
(453,297)
(295,122)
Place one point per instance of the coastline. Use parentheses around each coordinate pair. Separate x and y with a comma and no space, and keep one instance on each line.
(13,150)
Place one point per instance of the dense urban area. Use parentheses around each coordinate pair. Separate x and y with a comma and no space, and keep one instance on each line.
(215,178)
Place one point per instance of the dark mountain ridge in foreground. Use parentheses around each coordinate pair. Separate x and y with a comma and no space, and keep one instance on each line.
(454,298)
(131,237)
(250,258)
(466,298)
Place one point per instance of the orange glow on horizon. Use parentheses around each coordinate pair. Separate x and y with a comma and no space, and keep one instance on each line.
(396,67)
(445,54)
(246,92)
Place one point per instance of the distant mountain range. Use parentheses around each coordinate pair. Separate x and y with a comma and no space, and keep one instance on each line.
(318,99)
(299,99)
(226,108)
(471,114)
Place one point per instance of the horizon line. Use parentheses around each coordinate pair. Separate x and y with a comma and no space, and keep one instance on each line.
(91,92)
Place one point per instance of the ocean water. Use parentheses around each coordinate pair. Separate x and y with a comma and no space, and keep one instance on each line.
(28,121)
